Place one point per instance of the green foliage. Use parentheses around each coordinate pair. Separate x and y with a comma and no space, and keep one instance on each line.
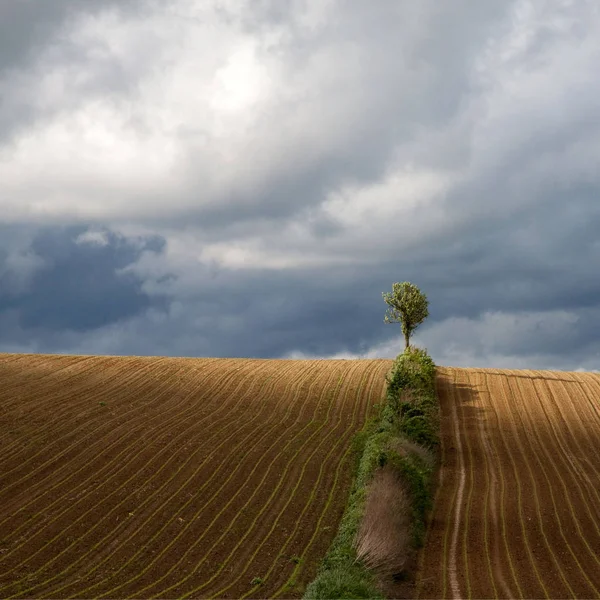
(256,581)
(359,440)
(417,430)
(412,407)
(406,427)
(340,574)
(413,413)
(408,306)
(342,582)
(412,370)
(419,477)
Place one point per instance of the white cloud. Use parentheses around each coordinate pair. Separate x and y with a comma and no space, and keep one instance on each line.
(95,238)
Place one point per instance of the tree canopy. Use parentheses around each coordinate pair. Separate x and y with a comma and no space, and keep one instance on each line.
(407,305)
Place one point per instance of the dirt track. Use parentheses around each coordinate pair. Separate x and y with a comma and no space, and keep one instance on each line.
(517,513)
(157,477)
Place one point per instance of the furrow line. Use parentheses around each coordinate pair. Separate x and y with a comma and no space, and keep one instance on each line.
(94,388)
(566,470)
(60,387)
(111,469)
(329,373)
(468,456)
(452,569)
(532,449)
(571,464)
(489,502)
(151,516)
(587,381)
(440,375)
(292,462)
(504,385)
(493,473)
(40,376)
(591,446)
(69,463)
(14,379)
(229,375)
(242,486)
(134,377)
(505,449)
(224,442)
(37,400)
(446,386)
(54,482)
(333,493)
(107,449)
(367,377)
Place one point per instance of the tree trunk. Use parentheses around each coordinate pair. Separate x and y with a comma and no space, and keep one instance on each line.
(406,339)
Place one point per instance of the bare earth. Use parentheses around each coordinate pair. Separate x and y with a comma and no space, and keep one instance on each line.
(145,477)
(517,513)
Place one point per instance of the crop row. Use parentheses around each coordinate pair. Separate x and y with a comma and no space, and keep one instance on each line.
(152,476)
(517,508)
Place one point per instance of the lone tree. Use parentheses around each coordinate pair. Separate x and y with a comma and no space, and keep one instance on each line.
(408,306)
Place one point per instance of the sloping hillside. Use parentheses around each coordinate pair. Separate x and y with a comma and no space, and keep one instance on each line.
(517,513)
(166,477)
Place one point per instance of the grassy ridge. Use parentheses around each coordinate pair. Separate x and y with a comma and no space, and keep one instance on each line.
(405,437)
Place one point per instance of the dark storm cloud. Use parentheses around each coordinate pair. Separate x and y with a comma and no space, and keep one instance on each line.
(266,315)
(77,285)
(26,26)
(325,313)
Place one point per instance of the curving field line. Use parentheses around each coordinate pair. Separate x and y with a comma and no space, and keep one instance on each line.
(87,457)
(235,375)
(214,522)
(303,483)
(16,403)
(332,511)
(520,482)
(148,476)
(137,471)
(80,421)
(217,468)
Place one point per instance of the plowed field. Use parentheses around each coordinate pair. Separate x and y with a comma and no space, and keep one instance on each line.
(517,513)
(164,477)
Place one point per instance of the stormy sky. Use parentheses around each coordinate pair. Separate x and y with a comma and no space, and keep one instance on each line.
(246,177)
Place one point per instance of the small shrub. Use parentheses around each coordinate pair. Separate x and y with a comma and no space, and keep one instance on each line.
(417,428)
(404,447)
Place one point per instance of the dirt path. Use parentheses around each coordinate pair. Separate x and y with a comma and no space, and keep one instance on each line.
(517,513)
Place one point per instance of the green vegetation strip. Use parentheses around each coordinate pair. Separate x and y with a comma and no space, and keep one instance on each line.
(405,436)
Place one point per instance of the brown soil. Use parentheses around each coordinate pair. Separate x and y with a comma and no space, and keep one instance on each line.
(517,511)
(150,476)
